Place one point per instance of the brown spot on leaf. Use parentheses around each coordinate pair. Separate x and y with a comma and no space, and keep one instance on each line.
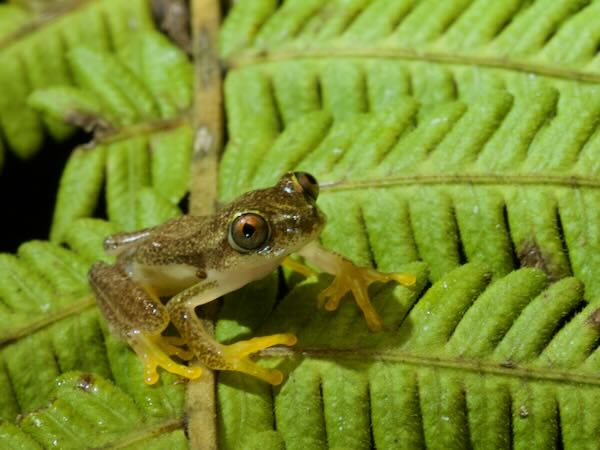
(508,364)
(523,412)
(90,122)
(173,17)
(594,319)
(85,382)
(532,255)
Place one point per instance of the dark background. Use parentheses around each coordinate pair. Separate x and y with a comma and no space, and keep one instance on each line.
(28,192)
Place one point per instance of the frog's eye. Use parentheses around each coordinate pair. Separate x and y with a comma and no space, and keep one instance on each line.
(308,183)
(248,231)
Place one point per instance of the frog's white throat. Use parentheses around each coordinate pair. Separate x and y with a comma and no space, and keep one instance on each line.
(167,280)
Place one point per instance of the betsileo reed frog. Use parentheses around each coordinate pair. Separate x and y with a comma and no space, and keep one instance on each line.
(197,259)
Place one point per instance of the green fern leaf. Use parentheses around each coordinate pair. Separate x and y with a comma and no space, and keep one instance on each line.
(153,209)
(448,132)
(472,358)
(127,171)
(124,100)
(431,143)
(164,68)
(89,412)
(79,189)
(12,17)
(113,83)
(85,236)
(171,156)
(74,106)
(32,56)
(521,200)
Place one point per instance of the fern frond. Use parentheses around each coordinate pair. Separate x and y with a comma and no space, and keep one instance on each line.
(164,68)
(12,17)
(493,171)
(73,106)
(158,159)
(550,37)
(32,56)
(90,412)
(447,132)
(462,364)
(85,236)
(79,189)
(140,142)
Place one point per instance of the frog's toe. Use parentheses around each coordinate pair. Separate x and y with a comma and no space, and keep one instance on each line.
(237,359)
(244,365)
(154,352)
(405,279)
(245,348)
(330,296)
(357,279)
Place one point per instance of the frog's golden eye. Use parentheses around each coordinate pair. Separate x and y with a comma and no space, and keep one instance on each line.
(308,183)
(248,231)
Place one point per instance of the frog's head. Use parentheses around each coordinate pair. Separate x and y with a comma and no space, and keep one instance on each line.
(278,220)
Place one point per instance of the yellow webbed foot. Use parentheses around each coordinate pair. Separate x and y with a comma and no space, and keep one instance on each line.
(237,359)
(357,279)
(155,351)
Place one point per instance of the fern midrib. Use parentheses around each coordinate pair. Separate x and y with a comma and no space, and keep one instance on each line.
(510,64)
(43,20)
(501,179)
(48,319)
(126,132)
(146,433)
(479,366)
(207,120)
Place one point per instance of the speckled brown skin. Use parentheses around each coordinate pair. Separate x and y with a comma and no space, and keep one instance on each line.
(142,311)
(202,241)
(191,257)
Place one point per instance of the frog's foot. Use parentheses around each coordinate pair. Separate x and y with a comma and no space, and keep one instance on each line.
(155,351)
(236,356)
(357,279)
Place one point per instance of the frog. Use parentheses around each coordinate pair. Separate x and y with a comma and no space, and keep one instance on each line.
(161,274)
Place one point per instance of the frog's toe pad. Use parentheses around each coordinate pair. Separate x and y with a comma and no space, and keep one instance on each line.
(244,365)
(154,352)
(236,356)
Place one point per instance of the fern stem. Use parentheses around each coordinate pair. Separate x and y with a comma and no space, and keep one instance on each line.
(550,70)
(42,20)
(458,364)
(207,119)
(48,319)
(571,181)
(207,109)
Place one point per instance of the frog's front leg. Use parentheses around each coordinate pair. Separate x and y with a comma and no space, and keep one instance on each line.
(138,317)
(210,352)
(349,277)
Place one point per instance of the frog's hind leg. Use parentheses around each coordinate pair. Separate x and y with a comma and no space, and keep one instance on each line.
(210,352)
(139,318)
